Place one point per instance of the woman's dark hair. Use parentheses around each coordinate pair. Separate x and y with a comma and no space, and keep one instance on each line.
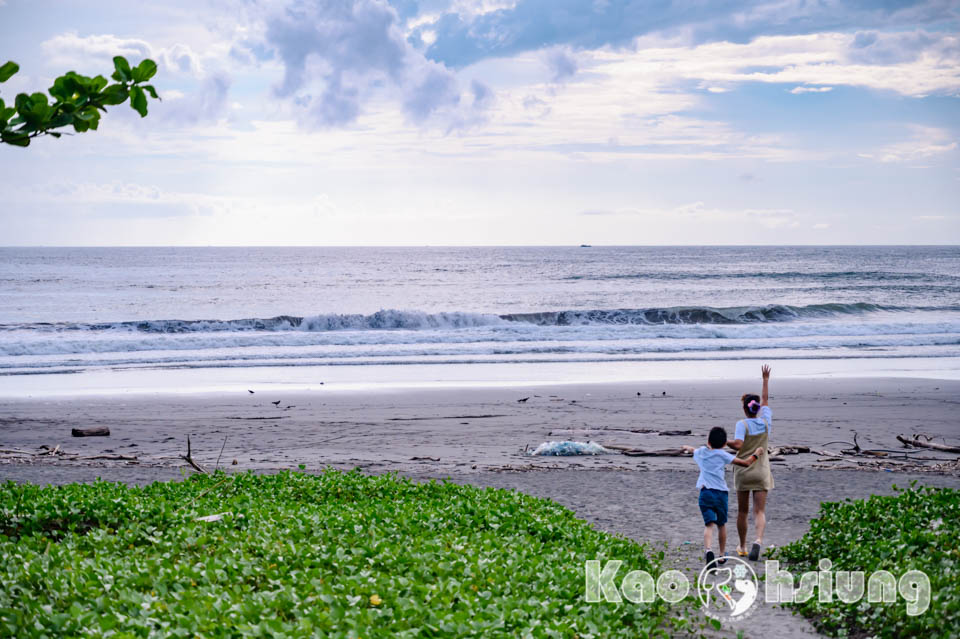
(717,437)
(751,404)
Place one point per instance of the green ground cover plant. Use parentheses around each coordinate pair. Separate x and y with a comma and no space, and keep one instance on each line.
(335,554)
(917,529)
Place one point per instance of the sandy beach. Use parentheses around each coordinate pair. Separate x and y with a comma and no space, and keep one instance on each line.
(480,436)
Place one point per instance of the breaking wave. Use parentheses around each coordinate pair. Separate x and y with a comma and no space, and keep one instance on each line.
(414,320)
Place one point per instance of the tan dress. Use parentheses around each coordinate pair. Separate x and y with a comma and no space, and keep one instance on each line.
(757,476)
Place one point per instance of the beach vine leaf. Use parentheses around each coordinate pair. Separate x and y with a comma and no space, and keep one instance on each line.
(77,101)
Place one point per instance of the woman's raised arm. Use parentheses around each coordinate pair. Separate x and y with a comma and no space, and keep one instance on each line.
(765,393)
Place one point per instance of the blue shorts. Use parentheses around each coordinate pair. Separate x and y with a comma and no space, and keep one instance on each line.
(713,506)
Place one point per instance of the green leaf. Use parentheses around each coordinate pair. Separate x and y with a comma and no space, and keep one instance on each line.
(145,70)
(138,101)
(7,70)
(114,94)
(122,69)
(16,139)
(153,92)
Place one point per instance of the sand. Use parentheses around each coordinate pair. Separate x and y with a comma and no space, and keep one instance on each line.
(479,436)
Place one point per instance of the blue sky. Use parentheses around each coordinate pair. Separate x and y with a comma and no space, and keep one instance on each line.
(365,122)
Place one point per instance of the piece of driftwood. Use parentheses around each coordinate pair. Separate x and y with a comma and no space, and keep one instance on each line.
(918,443)
(788,450)
(113,457)
(96,431)
(425,459)
(663,452)
(189,459)
(674,433)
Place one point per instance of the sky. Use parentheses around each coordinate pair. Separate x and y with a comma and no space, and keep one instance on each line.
(495,122)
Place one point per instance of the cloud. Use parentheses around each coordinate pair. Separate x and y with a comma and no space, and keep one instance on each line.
(872,47)
(799,90)
(561,64)
(698,212)
(129,199)
(98,51)
(463,37)
(926,142)
(339,57)
(71,49)
(206,104)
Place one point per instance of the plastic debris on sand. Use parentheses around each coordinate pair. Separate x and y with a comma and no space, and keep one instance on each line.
(567,448)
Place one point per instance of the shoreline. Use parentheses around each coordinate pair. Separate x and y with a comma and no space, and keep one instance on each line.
(171,382)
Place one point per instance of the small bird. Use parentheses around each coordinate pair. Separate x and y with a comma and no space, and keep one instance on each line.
(250,391)
(638,394)
(664,393)
(520,401)
(276,403)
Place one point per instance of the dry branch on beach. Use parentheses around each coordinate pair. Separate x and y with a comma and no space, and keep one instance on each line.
(56,452)
(916,442)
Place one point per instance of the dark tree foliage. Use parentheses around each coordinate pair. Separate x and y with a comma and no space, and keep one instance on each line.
(77,101)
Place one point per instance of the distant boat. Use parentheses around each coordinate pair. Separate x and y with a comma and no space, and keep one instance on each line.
(585,246)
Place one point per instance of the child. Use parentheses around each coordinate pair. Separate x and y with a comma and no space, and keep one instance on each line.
(713,487)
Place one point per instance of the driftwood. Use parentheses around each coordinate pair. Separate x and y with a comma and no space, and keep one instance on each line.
(189,459)
(97,431)
(788,450)
(435,459)
(113,457)
(665,452)
(14,451)
(606,431)
(916,442)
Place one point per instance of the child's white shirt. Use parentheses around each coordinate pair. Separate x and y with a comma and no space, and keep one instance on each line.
(754,425)
(712,463)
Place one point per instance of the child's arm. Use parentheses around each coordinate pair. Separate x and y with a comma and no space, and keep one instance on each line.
(749,460)
(765,394)
(688,449)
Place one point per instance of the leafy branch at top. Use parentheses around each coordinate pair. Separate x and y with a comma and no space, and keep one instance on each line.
(77,101)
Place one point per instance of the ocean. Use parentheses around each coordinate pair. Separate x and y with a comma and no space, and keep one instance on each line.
(484,314)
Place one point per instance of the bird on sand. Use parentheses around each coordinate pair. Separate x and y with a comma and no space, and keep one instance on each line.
(250,391)
(276,403)
(522,400)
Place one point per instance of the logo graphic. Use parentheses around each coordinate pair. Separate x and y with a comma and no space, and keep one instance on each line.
(728,592)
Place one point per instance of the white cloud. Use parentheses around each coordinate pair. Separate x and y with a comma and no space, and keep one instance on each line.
(926,142)
(97,52)
(71,49)
(799,90)
(819,59)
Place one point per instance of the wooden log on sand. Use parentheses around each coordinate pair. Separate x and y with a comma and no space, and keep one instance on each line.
(97,431)
(928,444)
(664,452)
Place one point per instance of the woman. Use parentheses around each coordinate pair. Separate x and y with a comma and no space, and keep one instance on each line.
(752,433)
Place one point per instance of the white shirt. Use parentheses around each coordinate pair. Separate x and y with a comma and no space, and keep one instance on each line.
(754,425)
(712,463)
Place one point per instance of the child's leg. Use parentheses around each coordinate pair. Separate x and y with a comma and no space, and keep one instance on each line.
(722,539)
(708,536)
